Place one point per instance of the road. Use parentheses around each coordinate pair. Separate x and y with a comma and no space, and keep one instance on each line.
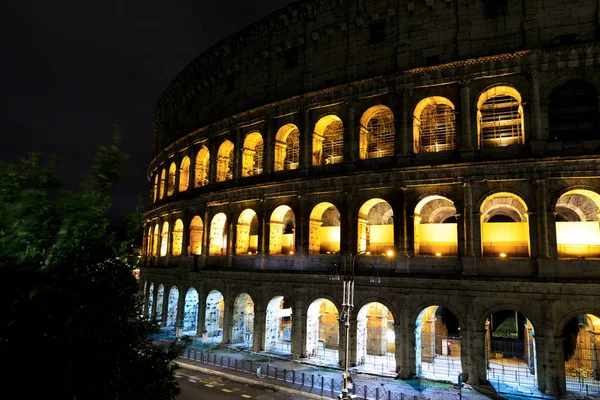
(197,386)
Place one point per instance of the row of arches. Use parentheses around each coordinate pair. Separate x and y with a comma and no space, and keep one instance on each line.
(573,115)
(437,340)
(504,221)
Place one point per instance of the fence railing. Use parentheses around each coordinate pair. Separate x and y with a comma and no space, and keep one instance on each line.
(303,381)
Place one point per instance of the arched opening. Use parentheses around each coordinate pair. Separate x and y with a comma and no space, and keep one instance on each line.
(164,239)
(377,133)
(163,182)
(184,174)
(437,344)
(375,339)
(243,321)
(278,326)
(324,229)
(376,227)
(217,244)
(511,352)
(196,233)
(323,332)
(177,238)
(171,184)
(155,188)
(577,227)
(504,226)
(287,148)
(436,230)
(434,125)
(190,313)
(328,141)
(150,300)
(155,240)
(573,112)
(247,233)
(202,166)
(500,117)
(149,242)
(225,161)
(160,297)
(213,318)
(581,348)
(252,155)
(282,237)
(172,307)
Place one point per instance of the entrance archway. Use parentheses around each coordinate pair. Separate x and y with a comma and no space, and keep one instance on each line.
(577,228)
(172,307)
(247,233)
(436,230)
(150,300)
(376,227)
(160,295)
(582,354)
(376,343)
(278,326)
(213,317)
(282,237)
(217,244)
(243,321)
(324,229)
(323,332)
(504,226)
(437,344)
(511,352)
(190,313)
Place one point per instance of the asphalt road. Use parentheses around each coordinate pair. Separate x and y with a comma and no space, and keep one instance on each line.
(197,386)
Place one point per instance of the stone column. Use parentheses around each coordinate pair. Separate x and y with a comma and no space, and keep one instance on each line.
(192,172)
(154,299)
(550,359)
(302,228)
(401,126)
(348,227)
(353,338)
(212,164)
(180,308)
(400,344)
(466,137)
(165,305)
(469,266)
(306,133)
(185,235)
(268,147)
(146,311)
(298,331)
(352,130)
(263,238)
(201,324)
(536,124)
(238,143)
(473,341)
(227,318)
(258,337)
(542,214)
(177,161)
(411,350)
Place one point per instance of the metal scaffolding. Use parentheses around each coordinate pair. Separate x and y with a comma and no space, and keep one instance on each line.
(292,155)
(437,129)
(381,135)
(333,143)
(500,122)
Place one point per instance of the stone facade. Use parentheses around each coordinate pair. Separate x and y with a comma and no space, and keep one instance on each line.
(482,79)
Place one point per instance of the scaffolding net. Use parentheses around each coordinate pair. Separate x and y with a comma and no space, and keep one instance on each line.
(333,143)
(437,129)
(292,155)
(381,135)
(500,122)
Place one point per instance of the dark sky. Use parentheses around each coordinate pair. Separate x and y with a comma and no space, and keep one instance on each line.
(70,69)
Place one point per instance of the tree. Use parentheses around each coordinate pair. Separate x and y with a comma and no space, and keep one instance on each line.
(70,314)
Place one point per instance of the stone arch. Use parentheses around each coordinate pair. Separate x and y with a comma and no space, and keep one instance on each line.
(184,174)
(173,302)
(435,227)
(217,242)
(323,331)
(213,316)
(580,349)
(190,312)
(196,234)
(377,133)
(247,232)
(149,241)
(155,240)
(252,154)
(328,141)
(163,182)
(172,176)
(202,167)
(504,225)
(155,188)
(177,245)
(282,230)
(416,310)
(164,239)
(287,148)
(225,158)
(375,226)
(565,79)
(278,325)
(324,229)
(573,113)
(530,314)
(160,298)
(242,330)
(434,125)
(577,229)
(500,120)
(566,317)
(150,300)
(375,337)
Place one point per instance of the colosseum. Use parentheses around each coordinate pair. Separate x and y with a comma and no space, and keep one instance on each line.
(441,154)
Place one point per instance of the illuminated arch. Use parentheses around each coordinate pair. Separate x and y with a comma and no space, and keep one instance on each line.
(375,337)
(171,183)
(202,166)
(149,242)
(217,244)
(324,229)
(213,317)
(436,230)
(164,239)
(163,182)
(376,227)
(155,240)
(242,330)
(278,325)
(577,228)
(160,296)
(176,247)
(377,133)
(190,312)
(504,226)
(287,148)
(184,174)
(155,188)
(252,155)
(322,330)
(434,125)
(173,302)
(247,233)
(282,237)
(328,141)
(225,157)
(500,117)
(196,234)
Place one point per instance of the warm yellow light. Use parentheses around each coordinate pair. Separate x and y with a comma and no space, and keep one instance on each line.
(390,253)
(291,253)
(250,253)
(502,255)
(368,253)
(438,254)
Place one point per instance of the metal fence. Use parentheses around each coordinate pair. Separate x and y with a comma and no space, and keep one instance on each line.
(310,383)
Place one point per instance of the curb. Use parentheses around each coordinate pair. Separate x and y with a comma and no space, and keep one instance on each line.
(241,379)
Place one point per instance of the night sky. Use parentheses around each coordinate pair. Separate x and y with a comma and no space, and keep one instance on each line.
(71,69)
